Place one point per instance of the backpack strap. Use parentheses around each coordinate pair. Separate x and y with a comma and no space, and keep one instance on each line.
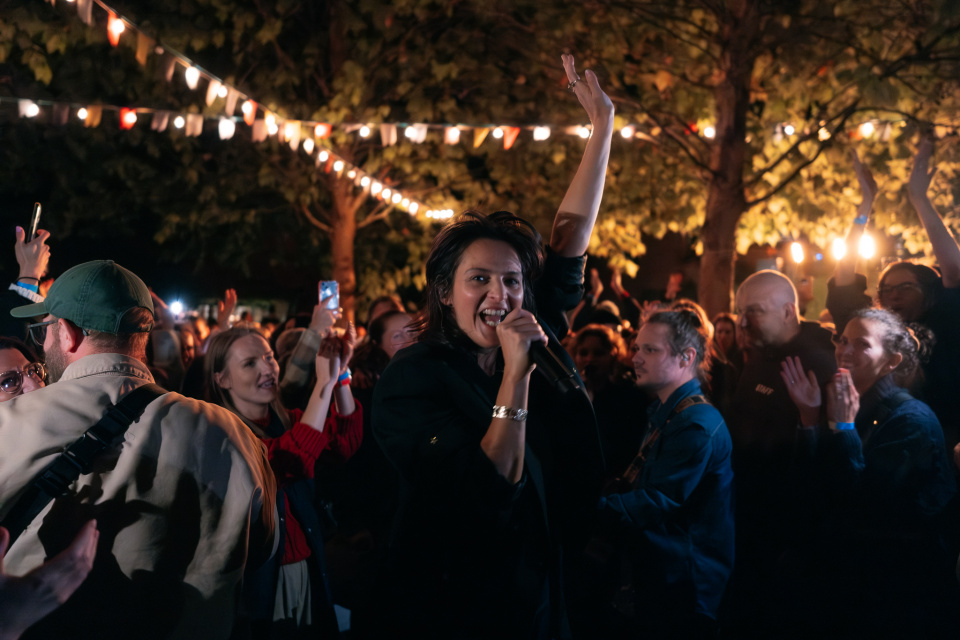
(78,458)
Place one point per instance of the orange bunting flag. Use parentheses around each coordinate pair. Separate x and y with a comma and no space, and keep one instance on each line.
(479,135)
(510,136)
(94,112)
(144,47)
(249,109)
(322,130)
(128,118)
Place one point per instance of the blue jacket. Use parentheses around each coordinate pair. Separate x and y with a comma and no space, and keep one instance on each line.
(680,511)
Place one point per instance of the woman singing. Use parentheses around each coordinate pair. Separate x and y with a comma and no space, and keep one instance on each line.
(498,466)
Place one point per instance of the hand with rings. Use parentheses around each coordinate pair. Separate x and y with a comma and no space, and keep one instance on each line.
(843,401)
(598,105)
(803,390)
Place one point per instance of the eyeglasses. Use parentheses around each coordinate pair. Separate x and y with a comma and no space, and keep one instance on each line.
(903,287)
(38,331)
(11,382)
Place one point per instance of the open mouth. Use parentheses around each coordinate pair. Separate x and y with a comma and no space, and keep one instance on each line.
(268,384)
(493,317)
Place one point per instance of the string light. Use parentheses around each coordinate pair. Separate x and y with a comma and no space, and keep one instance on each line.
(866,129)
(114,28)
(541,133)
(365,181)
(628,131)
(413,208)
(823,135)
(308,145)
(583,132)
(385,194)
(31,110)
(839,248)
(338,166)
(709,132)
(868,248)
(128,118)
(222,92)
(178,122)
(364,131)
(226,128)
(498,133)
(248,107)
(352,174)
(397,198)
(82,113)
(796,250)
(409,133)
(376,188)
(789,129)
(322,156)
(192,76)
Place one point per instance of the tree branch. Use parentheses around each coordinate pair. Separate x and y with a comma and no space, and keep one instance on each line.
(380,213)
(305,210)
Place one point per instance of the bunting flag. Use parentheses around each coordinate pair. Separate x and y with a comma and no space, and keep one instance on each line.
(94,112)
(213,91)
(479,135)
(85,11)
(194,125)
(417,133)
(388,135)
(160,120)
(451,135)
(510,136)
(145,45)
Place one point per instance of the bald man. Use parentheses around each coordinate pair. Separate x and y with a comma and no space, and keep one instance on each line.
(772,508)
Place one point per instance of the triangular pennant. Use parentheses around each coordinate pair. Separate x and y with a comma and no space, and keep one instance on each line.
(85,11)
(160,120)
(27,108)
(227,128)
(167,65)
(388,135)
(510,136)
(291,133)
(213,88)
(259,132)
(249,109)
(417,133)
(479,135)
(114,28)
(61,113)
(451,135)
(94,113)
(322,130)
(194,125)
(144,47)
(128,118)
(230,107)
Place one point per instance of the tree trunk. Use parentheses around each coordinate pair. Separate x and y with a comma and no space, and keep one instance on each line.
(726,200)
(342,237)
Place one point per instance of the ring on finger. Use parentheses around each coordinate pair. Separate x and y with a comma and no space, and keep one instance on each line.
(571,85)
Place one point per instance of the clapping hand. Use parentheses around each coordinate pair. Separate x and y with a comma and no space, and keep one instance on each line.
(803,390)
(843,401)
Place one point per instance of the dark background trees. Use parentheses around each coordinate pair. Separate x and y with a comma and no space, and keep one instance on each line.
(200,214)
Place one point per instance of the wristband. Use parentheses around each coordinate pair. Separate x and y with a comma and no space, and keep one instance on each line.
(841,426)
(32,287)
(517,415)
(345,378)
(861,220)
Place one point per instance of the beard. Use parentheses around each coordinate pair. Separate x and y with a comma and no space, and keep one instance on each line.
(55,360)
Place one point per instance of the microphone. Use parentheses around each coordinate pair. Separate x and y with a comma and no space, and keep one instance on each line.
(553,368)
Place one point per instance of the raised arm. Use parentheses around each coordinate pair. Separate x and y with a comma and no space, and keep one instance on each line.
(944,246)
(578,210)
(846,266)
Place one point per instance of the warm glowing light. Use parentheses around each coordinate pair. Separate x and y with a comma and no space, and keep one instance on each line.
(192,76)
(397,198)
(308,145)
(628,131)
(375,188)
(385,194)
(583,132)
(405,203)
(867,129)
(410,132)
(178,122)
(114,28)
(338,166)
(498,133)
(413,208)
(82,113)
(839,248)
(227,128)
(222,92)
(176,307)
(322,156)
(31,110)
(796,250)
(273,128)
(365,181)
(823,134)
(541,133)
(868,248)
(364,131)
(789,129)
(128,118)
(709,132)
(322,130)
(248,107)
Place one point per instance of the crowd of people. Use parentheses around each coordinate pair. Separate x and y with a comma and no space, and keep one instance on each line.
(753,475)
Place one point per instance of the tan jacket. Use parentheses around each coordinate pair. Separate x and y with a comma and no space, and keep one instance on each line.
(173,509)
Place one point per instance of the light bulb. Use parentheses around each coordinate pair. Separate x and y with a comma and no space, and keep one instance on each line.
(541,133)
(364,131)
(796,250)
(498,133)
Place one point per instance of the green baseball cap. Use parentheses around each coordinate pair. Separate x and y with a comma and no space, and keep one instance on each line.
(94,295)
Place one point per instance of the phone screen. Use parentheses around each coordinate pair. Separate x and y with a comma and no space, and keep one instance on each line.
(34,222)
(330,291)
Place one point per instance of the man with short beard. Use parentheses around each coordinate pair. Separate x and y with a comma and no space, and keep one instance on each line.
(177,501)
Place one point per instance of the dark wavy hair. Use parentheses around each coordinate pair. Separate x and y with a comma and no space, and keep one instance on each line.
(436,321)
(913,342)
(7,342)
(931,284)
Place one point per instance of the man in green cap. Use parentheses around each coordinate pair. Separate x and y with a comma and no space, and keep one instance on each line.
(176,503)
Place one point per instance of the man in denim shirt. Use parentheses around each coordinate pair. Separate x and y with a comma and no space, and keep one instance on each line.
(677,516)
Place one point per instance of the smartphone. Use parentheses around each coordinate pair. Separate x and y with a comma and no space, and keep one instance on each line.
(330,290)
(34,222)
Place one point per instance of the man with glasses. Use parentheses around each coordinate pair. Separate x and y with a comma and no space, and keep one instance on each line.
(763,422)
(176,501)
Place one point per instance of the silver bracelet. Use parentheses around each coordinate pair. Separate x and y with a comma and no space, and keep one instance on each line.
(517,415)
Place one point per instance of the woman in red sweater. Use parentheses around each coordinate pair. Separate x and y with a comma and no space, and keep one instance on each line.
(289,596)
